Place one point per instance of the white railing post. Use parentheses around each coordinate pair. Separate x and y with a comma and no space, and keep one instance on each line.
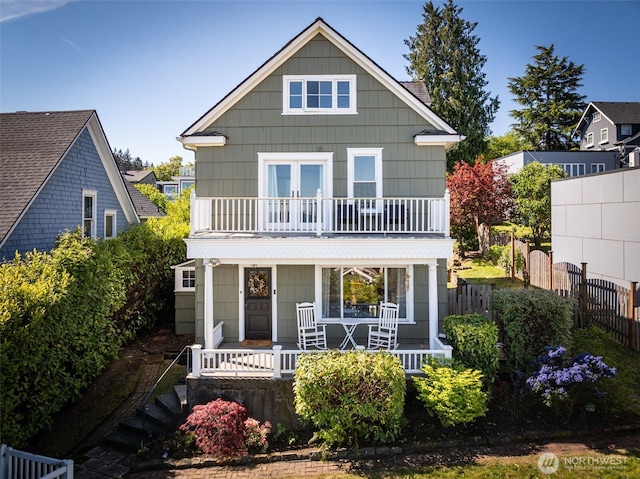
(196,351)
(447,212)
(319,212)
(277,361)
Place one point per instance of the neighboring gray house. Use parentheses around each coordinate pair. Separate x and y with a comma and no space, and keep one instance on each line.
(574,163)
(145,177)
(318,178)
(610,126)
(596,219)
(57,173)
(144,207)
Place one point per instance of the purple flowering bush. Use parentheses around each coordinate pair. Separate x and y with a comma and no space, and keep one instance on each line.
(562,383)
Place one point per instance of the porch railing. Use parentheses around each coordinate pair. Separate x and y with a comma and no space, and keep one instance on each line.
(320,215)
(276,362)
(24,465)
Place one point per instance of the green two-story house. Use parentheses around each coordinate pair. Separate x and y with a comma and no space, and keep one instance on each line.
(318,178)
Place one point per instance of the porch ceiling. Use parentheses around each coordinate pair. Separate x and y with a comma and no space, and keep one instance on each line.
(238,249)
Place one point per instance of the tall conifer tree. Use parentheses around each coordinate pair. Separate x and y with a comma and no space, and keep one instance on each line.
(551,105)
(445,55)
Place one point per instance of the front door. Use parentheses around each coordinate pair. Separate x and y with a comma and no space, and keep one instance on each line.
(257,307)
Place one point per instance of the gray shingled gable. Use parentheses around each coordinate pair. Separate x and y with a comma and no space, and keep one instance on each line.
(145,208)
(31,146)
(620,112)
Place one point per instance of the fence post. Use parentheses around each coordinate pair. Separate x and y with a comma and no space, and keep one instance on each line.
(550,256)
(633,285)
(582,301)
(513,254)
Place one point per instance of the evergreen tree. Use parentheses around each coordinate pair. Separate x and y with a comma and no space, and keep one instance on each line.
(444,54)
(551,105)
(125,161)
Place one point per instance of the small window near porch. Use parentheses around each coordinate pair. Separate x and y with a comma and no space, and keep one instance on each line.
(185,277)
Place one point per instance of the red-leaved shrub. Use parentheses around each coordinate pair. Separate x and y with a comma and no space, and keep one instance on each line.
(219,428)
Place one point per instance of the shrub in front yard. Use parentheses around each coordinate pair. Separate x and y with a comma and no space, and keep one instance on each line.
(475,343)
(562,383)
(351,396)
(451,392)
(223,430)
(528,320)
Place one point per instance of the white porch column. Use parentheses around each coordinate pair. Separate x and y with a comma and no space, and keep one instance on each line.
(433,305)
(208,304)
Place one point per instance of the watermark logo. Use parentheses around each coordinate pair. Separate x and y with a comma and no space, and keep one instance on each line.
(548,463)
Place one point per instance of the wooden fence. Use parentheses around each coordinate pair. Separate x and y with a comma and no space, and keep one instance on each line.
(608,305)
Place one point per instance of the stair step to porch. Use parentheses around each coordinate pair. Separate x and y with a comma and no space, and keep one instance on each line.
(127,441)
(181,393)
(139,426)
(159,416)
(170,403)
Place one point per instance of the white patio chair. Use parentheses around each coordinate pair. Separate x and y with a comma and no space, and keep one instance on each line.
(310,333)
(384,334)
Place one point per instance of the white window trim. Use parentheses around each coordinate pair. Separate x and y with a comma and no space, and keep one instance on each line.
(351,154)
(352,110)
(589,139)
(604,136)
(94,224)
(409,288)
(178,278)
(600,167)
(568,167)
(597,116)
(114,226)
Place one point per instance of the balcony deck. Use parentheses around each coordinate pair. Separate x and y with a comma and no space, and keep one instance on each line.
(319,216)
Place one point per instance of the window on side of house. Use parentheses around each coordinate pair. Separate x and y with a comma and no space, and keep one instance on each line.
(357,291)
(604,135)
(364,176)
(319,94)
(597,116)
(589,139)
(89,213)
(625,130)
(574,169)
(110,222)
(597,167)
(185,277)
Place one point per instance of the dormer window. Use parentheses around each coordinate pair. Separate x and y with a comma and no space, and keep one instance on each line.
(319,94)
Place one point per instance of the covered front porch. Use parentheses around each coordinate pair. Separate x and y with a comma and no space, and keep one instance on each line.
(235,360)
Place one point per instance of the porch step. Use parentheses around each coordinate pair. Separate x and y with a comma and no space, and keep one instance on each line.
(140,426)
(127,440)
(159,416)
(170,403)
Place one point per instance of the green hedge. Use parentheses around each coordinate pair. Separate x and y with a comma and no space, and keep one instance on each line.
(351,396)
(65,314)
(475,343)
(528,320)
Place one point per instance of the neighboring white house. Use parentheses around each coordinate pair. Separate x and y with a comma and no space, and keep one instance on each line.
(596,219)
(574,163)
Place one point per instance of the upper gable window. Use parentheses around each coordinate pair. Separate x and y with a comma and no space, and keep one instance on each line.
(319,94)
(597,116)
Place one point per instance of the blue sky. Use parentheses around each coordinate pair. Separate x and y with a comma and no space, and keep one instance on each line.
(151,68)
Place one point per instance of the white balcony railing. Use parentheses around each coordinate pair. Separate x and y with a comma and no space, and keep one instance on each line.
(320,215)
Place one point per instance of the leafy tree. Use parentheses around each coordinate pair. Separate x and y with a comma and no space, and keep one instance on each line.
(532,191)
(480,196)
(154,194)
(126,162)
(551,105)
(164,171)
(499,146)
(444,54)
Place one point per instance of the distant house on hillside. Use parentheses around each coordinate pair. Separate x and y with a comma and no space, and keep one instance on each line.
(184,180)
(574,163)
(57,173)
(145,177)
(610,126)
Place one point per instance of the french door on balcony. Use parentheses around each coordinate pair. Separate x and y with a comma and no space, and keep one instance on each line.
(291,184)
